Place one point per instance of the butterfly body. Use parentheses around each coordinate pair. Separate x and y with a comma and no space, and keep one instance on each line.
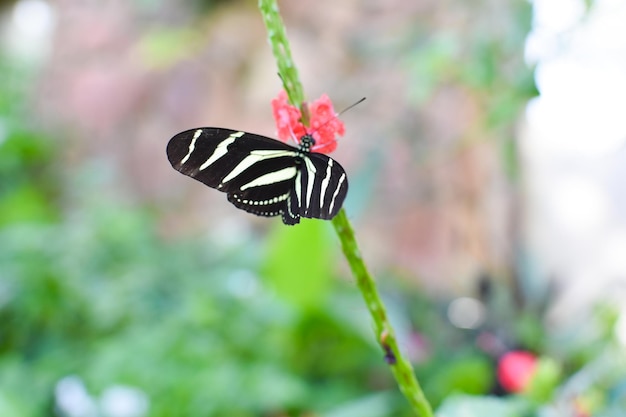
(260,175)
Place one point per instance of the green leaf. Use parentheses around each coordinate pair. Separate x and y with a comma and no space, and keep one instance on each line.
(545,380)
(471,375)
(9,407)
(25,204)
(297,263)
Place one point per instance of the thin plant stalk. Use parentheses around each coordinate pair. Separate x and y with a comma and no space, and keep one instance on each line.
(400,366)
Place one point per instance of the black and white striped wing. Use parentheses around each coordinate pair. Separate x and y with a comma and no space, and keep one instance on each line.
(260,175)
(320,186)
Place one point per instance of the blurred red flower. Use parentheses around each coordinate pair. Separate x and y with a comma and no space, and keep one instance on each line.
(324,123)
(515,370)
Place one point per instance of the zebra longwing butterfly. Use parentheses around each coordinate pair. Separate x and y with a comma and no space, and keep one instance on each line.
(260,175)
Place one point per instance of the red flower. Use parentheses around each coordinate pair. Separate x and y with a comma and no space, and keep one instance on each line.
(325,124)
(516,369)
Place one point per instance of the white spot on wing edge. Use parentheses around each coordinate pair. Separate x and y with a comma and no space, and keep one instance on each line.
(332,201)
(192,145)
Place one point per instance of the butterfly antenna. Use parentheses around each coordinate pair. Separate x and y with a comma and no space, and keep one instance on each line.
(337,115)
(349,107)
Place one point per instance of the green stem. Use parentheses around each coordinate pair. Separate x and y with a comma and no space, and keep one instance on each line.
(401,368)
(282,52)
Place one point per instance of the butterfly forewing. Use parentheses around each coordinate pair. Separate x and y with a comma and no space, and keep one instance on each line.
(260,175)
(210,154)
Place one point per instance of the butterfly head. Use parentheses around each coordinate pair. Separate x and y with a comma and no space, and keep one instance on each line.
(306,143)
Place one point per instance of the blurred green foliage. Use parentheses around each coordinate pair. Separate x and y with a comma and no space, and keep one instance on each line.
(297,264)
(98,292)
(90,286)
(100,295)
(206,328)
(94,290)
(27,183)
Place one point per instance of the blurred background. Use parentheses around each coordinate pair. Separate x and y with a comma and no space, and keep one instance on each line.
(486,189)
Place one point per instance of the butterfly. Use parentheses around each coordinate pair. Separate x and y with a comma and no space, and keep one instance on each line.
(260,175)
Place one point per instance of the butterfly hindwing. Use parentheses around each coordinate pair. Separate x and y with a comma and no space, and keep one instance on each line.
(260,175)
(263,201)
(321,186)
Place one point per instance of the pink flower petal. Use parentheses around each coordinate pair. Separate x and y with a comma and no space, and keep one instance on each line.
(324,123)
